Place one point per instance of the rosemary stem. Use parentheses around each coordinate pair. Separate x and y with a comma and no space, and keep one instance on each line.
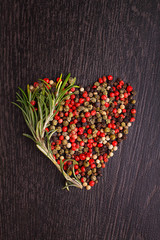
(42,147)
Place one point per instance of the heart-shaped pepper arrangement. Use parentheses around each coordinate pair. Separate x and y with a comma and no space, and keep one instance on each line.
(78,128)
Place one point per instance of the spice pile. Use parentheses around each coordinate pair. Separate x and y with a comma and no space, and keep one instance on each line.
(90,124)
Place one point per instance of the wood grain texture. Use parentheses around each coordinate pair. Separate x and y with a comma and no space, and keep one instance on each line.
(88,39)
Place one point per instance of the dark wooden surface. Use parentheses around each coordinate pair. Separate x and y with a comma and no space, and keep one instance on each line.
(88,39)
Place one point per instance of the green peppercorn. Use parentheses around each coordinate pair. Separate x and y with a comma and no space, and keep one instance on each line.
(66,108)
(86,104)
(52,127)
(105,117)
(93,100)
(90,94)
(72,126)
(89,136)
(86,149)
(90,107)
(69,172)
(123,124)
(97,84)
(104,84)
(89,172)
(96,149)
(64,142)
(54,122)
(98,88)
(93,178)
(125,131)
(94,170)
(70,114)
(112,131)
(54,151)
(99,165)
(86,164)
(133,101)
(112,137)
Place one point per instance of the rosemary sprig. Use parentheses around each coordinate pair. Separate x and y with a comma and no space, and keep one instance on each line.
(37,121)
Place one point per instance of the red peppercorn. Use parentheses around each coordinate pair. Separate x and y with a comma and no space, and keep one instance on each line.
(76,166)
(81,100)
(104,79)
(116,131)
(103,165)
(57,117)
(33,102)
(110,125)
(125,95)
(83,169)
(61,137)
(72,89)
(87,114)
(64,129)
(91,161)
(36,84)
(89,145)
(119,86)
(80,129)
(77,104)
(90,140)
(103,97)
(76,158)
(116,93)
(87,99)
(133,110)
(82,156)
(82,180)
(81,143)
(106,104)
(93,112)
(132,119)
(76,172)
(72,96)
(100,80)
(46,80)
(89,154)
(100,145)
(98,133)
(93,166)
(114,143)
(111,94)
(60,120)
(91,183)
(121,82)
(114,110)
(102,135)
(129,88)
(85,94)
(89,131)
(110,78)
(83,120)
